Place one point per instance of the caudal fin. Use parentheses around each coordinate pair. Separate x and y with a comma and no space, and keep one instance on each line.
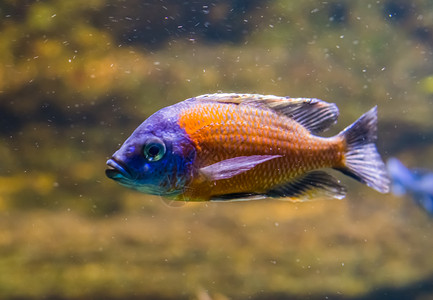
(362,161)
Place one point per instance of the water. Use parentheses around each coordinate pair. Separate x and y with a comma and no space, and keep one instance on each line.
(77,77)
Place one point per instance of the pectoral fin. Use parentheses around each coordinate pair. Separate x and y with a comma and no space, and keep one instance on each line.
(233,166)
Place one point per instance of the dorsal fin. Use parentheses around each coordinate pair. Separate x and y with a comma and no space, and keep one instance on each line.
(314,114)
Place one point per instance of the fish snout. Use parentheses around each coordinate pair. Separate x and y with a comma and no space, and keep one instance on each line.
(116,170)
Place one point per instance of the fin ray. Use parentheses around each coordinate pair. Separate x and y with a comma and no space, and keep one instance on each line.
(314,114)
(362,161)
(312,185)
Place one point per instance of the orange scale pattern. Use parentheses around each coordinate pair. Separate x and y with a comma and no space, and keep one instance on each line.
(221,131)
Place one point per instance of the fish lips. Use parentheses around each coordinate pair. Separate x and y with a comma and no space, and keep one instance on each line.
(116,171)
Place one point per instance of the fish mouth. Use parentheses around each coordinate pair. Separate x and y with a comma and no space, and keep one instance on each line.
(116,171)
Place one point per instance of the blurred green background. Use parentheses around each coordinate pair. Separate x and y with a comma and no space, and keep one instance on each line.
(77,77)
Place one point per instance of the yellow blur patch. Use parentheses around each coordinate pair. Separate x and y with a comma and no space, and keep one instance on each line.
(427,85)
(40,183)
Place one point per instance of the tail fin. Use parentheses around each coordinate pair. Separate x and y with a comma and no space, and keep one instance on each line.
(362,161)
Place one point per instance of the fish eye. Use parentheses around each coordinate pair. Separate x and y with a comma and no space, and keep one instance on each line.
(154,149)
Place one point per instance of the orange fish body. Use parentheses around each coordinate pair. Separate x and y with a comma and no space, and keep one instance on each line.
(253,146)
(222,131)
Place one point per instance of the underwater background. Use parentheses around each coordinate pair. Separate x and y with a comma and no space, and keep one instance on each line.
(77,77)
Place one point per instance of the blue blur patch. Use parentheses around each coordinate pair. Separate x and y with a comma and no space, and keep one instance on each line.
(416,183)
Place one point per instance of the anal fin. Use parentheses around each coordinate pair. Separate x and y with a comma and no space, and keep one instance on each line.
(311,186)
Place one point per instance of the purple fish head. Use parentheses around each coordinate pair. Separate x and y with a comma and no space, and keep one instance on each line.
(156,159)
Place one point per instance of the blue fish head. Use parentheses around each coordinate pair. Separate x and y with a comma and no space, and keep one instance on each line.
(156,159)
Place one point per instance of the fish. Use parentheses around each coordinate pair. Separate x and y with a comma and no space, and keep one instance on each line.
(239,147)
(417,183)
